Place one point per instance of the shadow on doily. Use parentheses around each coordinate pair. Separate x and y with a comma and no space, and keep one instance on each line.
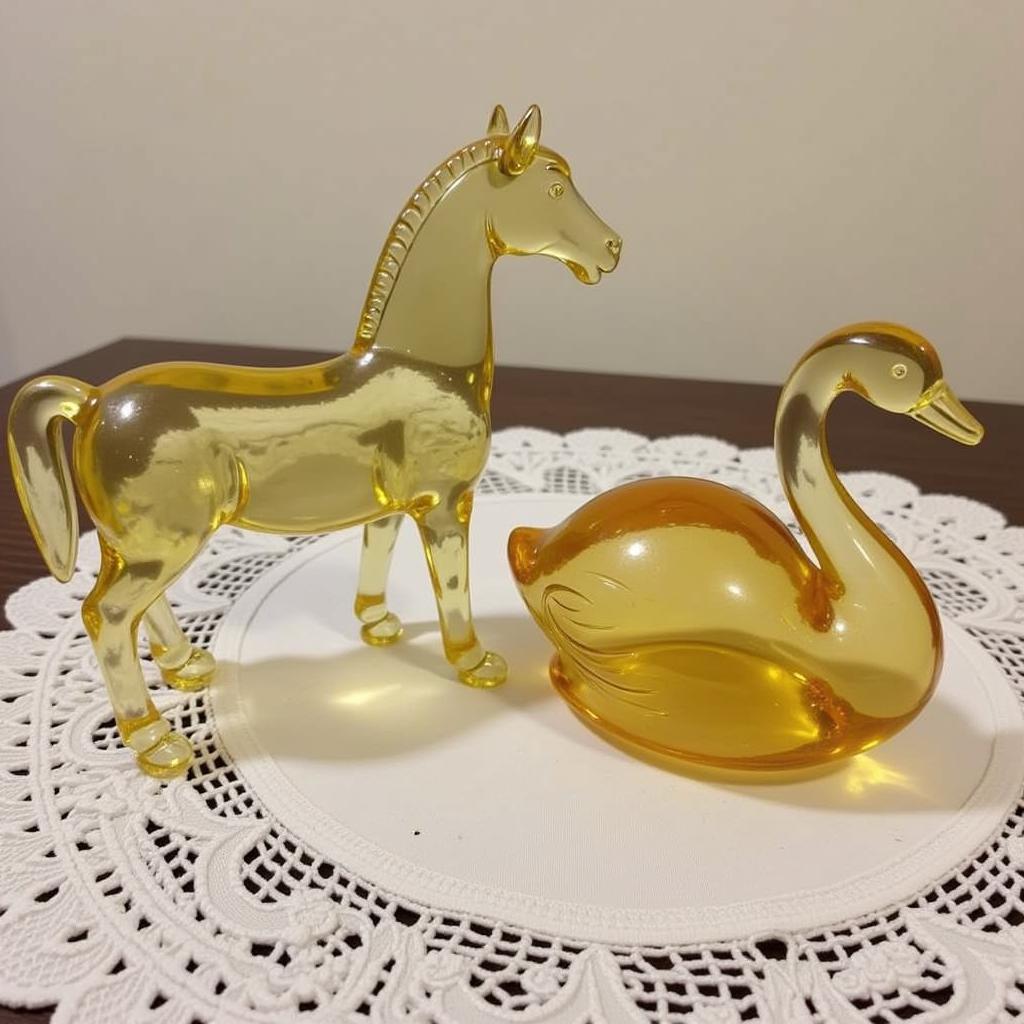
(899,777)
(371,704)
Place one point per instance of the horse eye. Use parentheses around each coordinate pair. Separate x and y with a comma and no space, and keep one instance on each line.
(556,190)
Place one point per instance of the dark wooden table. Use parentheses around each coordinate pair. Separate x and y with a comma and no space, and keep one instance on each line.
(861,437)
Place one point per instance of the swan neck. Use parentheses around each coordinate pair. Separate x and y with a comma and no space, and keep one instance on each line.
(850,549)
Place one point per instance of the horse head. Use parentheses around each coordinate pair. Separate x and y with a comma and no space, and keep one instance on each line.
(535,208)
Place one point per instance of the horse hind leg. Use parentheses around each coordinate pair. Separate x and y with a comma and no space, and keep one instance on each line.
(380,626)
(183,666)
(112,612)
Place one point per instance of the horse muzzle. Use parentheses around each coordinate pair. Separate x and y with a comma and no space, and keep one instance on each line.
(613,246)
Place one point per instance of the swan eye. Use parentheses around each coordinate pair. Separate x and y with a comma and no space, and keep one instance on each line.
(899,371)
(557,190)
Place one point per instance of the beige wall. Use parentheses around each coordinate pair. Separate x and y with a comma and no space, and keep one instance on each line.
(228,170)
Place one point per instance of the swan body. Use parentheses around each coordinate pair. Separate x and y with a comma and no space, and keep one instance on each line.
(689,622)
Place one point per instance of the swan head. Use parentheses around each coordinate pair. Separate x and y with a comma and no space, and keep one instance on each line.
(898,370)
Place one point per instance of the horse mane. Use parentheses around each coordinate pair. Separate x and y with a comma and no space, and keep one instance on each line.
(405,229)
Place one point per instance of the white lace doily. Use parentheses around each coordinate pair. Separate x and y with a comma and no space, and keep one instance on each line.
(124,899)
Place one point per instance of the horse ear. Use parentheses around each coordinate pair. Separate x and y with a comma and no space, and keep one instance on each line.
(522,143)
(498,124)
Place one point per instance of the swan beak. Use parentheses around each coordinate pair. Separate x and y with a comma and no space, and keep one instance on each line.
(941,410)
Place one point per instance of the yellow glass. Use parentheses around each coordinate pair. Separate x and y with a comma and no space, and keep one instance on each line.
(689,623)
(398,425)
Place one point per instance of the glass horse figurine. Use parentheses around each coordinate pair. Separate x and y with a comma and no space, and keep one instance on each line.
(398,425)
(689,623)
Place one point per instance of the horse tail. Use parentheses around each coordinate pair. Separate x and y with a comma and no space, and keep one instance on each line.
(40,466)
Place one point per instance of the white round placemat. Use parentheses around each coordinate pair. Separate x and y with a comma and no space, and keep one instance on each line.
(215,899)
(501,803)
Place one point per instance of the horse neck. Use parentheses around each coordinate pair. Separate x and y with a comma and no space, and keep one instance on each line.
(439,308)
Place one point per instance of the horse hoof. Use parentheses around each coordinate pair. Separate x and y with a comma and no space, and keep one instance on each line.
(169,757)
(492,671)
(382,632)
(194,674)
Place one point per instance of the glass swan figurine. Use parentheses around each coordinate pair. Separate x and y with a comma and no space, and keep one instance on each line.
(690,625)
(398,425)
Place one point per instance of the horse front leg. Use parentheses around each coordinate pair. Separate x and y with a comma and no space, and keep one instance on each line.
(445,535)
(380,626)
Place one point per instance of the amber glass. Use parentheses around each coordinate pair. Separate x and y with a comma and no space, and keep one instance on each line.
(690,623)
(397,426)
